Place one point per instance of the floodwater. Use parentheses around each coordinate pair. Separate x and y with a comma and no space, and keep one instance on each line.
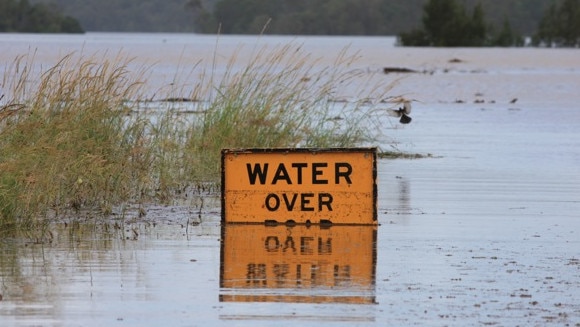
(485,231)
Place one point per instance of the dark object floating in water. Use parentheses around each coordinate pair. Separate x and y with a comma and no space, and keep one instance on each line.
(404,155)
(514,100)
(455,61)
(403,113)
(178,100)
(389,70)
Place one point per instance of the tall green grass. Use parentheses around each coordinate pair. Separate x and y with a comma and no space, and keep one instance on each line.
(77,138)
(65,142)
(278,99)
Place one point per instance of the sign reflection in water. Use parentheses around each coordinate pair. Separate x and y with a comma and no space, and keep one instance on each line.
(298,264)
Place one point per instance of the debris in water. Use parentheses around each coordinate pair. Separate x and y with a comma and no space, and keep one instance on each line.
(398,70)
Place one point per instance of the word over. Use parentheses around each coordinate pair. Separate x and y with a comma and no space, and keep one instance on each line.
(299,173)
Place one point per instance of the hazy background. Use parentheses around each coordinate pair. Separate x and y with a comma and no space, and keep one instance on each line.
(249,16)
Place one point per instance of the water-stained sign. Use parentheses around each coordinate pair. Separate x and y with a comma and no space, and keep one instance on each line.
(302,186)
(298,264)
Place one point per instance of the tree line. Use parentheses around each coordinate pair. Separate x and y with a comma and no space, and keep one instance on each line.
(415,22)
(560,25)
(445,23)
(21,16)
(323,17)
(173,16)
(348,17)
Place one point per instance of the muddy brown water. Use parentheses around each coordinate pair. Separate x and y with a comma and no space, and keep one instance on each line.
(483,232)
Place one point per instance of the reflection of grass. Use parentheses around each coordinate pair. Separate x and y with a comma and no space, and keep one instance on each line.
(72,141)
(25,264)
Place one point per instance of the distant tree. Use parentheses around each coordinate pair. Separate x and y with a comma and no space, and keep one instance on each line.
(560,25)
(21,16)
(202,17)
(414,38)
(321,17)
(442,20)
(476,27)
(69,24)
(446,24)
(507,37)
(372,17)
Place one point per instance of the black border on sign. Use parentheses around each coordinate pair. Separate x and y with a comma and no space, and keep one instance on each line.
(224,152)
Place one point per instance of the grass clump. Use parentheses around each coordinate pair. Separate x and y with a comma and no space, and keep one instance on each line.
(278,99)
(72,140)
(66,142)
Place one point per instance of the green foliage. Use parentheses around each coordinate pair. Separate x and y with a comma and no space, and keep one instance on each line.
(322,17)
(75,137)
(446,24)
(140,15)
(560,25)
(65,145)
(366,17)
(506,37)
(328,17)
(278,100)
(20,16)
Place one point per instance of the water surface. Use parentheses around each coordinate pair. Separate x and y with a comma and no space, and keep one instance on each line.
(483,232)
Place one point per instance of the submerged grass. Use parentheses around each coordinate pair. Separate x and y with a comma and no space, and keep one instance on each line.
(71,140)
(66,143)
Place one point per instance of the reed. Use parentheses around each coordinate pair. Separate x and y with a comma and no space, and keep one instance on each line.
(65,141)
(71,140)
(279,99)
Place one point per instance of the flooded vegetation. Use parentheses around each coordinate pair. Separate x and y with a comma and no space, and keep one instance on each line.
(75,137)
(479,228)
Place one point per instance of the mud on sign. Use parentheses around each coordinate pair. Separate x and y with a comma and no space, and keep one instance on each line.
(302,186)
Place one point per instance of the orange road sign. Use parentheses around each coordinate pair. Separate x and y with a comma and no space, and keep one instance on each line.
(298,264)
(299,186)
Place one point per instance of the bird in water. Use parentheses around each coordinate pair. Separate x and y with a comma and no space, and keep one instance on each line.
(402,112)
